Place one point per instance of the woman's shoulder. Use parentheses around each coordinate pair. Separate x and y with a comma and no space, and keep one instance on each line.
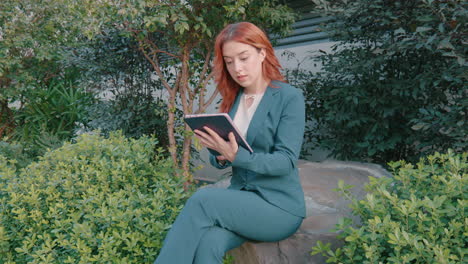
(286,89)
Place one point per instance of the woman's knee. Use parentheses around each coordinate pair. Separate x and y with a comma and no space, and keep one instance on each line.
(212,243)
(215,243)
(203,195)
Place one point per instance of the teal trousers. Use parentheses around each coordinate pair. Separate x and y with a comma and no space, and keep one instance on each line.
(216,220)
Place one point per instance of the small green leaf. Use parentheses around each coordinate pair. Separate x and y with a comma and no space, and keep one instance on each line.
(423,29)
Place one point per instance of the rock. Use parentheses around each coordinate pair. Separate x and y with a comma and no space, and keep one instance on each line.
(324,208)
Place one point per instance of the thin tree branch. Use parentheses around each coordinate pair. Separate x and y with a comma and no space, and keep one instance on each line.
(205,67)
(155,63)
(203,86)
(202,107)
(183,83)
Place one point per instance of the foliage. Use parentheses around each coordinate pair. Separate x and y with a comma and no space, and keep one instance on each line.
(110,58)
(50,115)
(299,77)
(416,217)
(15,151)
(176,38)
(100,200)
(33,37)
(31,34)
(112,63)
(135,114)
(131,96)
(395,85)
(228,259)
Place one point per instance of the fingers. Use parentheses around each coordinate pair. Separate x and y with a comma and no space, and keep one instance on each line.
(204,138)
(200,133)
(233,142)
(212,133)
(232,137)
(205,143)
(203,135)
(210,139)
(211,136)
(208,133)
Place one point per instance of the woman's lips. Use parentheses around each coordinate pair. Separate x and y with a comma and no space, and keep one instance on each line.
(241,77)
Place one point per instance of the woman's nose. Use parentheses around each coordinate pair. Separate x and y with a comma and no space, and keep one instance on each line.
(237,67)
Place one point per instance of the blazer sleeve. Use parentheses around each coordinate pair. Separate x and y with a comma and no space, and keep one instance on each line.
(215,163)
(287,142)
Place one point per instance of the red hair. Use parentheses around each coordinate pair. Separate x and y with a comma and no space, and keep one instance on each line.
(247,33)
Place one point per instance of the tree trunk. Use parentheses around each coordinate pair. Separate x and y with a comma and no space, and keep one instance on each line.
(186,97)
(6,119)
(171,105)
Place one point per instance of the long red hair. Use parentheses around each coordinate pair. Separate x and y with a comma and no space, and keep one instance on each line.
(247,33)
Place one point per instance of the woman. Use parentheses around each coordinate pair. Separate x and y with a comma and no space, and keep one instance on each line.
(265,201)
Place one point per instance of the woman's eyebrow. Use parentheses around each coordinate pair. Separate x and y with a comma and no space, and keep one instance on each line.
(240,53)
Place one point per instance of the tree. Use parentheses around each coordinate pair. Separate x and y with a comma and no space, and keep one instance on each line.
(176,37)
(112,64)
(395,85)
(32,34)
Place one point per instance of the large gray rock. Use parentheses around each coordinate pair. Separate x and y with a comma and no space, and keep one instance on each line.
(324,208)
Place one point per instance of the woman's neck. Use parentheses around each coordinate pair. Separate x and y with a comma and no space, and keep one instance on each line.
(258,88)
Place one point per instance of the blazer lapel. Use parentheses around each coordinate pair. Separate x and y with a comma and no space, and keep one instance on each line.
(261,113)
(232,112)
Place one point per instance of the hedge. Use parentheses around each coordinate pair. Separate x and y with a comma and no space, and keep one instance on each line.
(99,200)
(418,216)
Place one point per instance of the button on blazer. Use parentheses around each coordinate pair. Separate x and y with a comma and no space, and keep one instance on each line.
(275,134)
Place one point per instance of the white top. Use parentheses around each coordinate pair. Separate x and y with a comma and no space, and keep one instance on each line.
(244,114)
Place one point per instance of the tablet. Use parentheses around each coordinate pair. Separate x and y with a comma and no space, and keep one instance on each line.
(221,123)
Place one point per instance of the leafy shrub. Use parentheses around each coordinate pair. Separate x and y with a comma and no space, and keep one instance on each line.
(134,113)
(133,100)
(299,77)
(394,86)
(416,217)
(100,200)
(50,115)
(15,151)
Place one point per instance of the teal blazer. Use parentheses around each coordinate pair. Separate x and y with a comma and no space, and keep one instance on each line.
(275,134)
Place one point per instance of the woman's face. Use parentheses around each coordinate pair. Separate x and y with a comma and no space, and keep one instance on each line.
(244,64)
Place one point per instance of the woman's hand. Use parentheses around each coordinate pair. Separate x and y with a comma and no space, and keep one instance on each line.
(211,139)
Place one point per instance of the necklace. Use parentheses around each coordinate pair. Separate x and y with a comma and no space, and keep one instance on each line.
(249,99)
(248,96)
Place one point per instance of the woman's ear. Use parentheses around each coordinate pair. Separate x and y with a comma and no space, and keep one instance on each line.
(263,53)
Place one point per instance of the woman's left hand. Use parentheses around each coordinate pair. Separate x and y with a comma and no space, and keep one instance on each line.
(211,139)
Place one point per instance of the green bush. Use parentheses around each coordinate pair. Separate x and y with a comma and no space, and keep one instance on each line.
(15,151)
(131,98)
(134,113)
(51,114)
(100,200)
(416,217)
(394,86)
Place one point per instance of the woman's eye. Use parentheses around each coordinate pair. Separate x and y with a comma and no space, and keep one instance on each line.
(228,62)
(244,59)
